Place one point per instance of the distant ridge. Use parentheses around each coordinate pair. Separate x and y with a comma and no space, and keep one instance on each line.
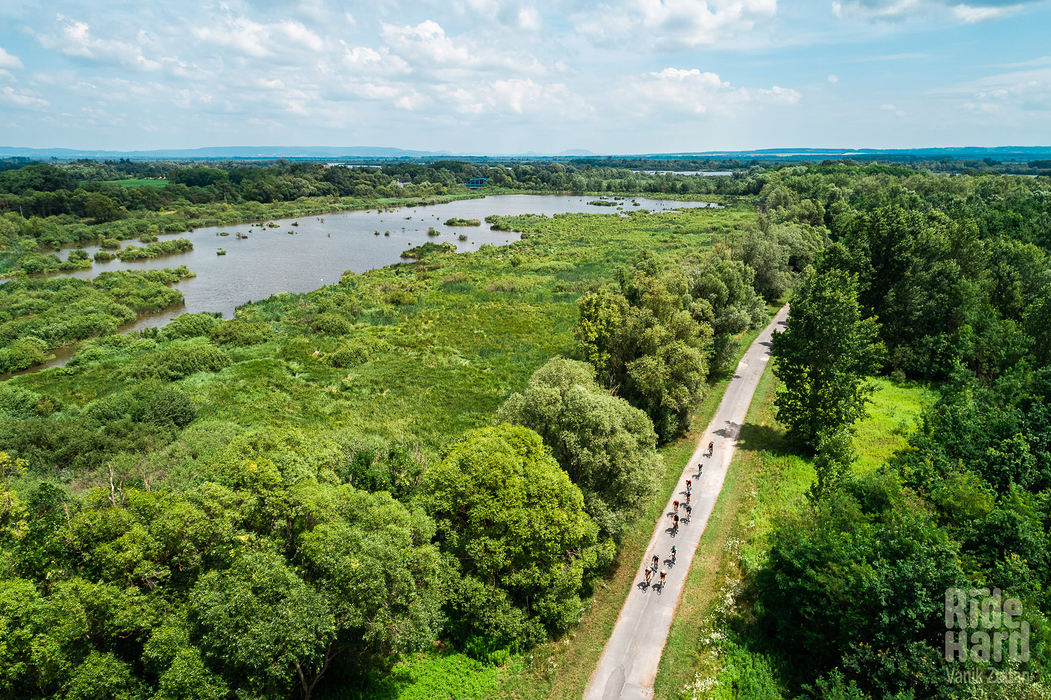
(335,153)
(233,152)
(999,152)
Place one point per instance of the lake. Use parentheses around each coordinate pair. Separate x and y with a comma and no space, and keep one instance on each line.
(320,249)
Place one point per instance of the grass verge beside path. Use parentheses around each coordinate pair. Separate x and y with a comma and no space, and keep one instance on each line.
(765,481)
(562,669)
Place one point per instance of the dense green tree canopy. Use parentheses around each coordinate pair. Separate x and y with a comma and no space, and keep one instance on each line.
(607,447)
(517,528)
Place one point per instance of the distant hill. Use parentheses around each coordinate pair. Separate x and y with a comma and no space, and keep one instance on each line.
(223,152)
(379,153)
(958,153)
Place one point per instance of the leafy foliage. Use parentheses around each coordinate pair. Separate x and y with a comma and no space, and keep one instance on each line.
(823,357)
(605,445)
(516,526)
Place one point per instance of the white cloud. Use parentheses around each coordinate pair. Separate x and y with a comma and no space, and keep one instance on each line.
(903,10)
(74,38)
(21,99)
(970,15)
(1018,96)
(9,61)
(672,24)
(427,43)
(833,78)
(700,93)
(259,40)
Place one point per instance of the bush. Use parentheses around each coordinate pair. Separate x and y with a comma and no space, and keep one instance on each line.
(170,407)
(401,297)
(17,403)
(328,323)
(111,407)
(23,354)
(354,353)
(180,361)
(190,326)
(241,334)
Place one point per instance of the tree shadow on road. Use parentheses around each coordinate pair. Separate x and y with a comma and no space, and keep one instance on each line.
(756,438)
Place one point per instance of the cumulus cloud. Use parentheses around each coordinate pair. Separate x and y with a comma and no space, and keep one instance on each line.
(427,43)
(257,39)
(9,61)
(700,93)
(515,96)
(75,38)
(672,24)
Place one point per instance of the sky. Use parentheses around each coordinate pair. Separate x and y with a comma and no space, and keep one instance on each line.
(518,76)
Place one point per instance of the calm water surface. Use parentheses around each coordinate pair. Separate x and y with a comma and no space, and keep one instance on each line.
(316,252)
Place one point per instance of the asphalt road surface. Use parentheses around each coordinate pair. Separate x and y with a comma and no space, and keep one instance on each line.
(629,662)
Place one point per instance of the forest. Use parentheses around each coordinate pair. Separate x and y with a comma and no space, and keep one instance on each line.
(348,493)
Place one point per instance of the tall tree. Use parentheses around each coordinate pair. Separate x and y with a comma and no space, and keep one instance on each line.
(823,357)
(607,447)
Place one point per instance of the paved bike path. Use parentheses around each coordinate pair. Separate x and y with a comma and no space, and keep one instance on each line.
(629,662)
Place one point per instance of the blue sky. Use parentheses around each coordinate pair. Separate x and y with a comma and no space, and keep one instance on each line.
(511,76)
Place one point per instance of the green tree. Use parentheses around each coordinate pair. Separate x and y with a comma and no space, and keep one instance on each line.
(516,526)
(823,357)
(607,447)
(260,626)
(650,342)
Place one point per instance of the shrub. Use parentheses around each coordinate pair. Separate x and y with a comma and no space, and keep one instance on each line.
(241,334)
(328,323)
(180,361)
(170,407)
(111,407)
(23,354)
(17,403)
(354,353)
(190,326)
(401,297)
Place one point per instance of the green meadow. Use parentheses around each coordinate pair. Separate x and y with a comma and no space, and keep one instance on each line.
(413,353)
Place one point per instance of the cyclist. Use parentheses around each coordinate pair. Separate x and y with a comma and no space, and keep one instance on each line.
(689,487)
(675,522)
(664,575)
(673,554)
(687,498)
(656,562)
(649,574)
(711,448)
(676,504)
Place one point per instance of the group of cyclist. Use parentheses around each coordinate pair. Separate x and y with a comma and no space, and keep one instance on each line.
(654,568)
(655,563)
